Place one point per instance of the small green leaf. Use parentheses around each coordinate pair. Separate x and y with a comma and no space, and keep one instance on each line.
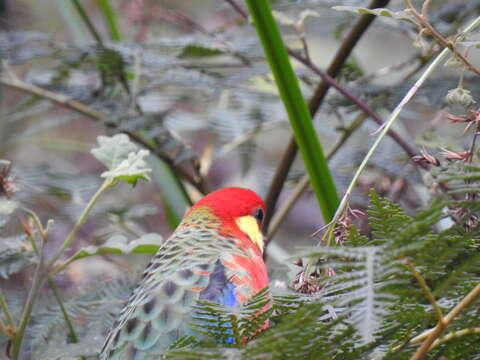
(131,169)
(123,160)
(113,150)
(193,50)
(119,244)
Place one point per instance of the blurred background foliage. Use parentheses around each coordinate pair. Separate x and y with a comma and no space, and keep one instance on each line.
(188,80)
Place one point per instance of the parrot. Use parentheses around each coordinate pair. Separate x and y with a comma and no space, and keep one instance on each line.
(215,254)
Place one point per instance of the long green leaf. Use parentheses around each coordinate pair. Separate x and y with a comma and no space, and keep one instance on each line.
(296,107)
(111,19)
(86,19)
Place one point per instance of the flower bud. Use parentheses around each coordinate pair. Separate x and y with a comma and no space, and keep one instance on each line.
(459,96)
(419,43)
(454,62)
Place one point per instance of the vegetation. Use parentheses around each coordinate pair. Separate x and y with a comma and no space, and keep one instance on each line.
(393,270)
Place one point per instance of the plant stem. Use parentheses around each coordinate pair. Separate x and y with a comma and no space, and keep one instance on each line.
(298,113)
(111,19)
(454,335)
(6,311)
(68,321)
(51,282)
(425,288)
(83,14)
(5,329)
(37,283)
(81,220)
(434,333)
(42,271)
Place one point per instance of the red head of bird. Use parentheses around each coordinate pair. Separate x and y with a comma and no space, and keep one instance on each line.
(240,212)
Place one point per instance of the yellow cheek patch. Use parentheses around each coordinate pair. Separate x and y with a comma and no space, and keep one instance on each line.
(249,225)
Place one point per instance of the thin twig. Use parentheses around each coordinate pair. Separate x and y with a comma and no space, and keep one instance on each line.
(409,150)
(286,206)
(81,220)
(137,73)
(422,18)
(83,109)
(51,282)
(434,333)
(426,4)
(83,14)
(306,52)
(6,311)
(37,283)
(68,321)
(455,335)
(238,8)
(5,329)
(425,288)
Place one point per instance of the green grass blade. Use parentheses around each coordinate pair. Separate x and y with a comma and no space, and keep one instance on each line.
(86,19)
(111,19)
(300,119)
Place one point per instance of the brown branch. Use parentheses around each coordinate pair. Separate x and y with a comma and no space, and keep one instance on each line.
(83,109)
(433,334)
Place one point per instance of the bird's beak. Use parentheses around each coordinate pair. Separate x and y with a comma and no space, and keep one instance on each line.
(249,225)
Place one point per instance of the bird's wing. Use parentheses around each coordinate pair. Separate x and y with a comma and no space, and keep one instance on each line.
(159,310)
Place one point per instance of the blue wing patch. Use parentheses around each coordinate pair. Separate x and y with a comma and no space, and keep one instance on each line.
(220,290)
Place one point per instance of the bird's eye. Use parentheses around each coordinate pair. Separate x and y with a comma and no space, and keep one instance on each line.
(258,214)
